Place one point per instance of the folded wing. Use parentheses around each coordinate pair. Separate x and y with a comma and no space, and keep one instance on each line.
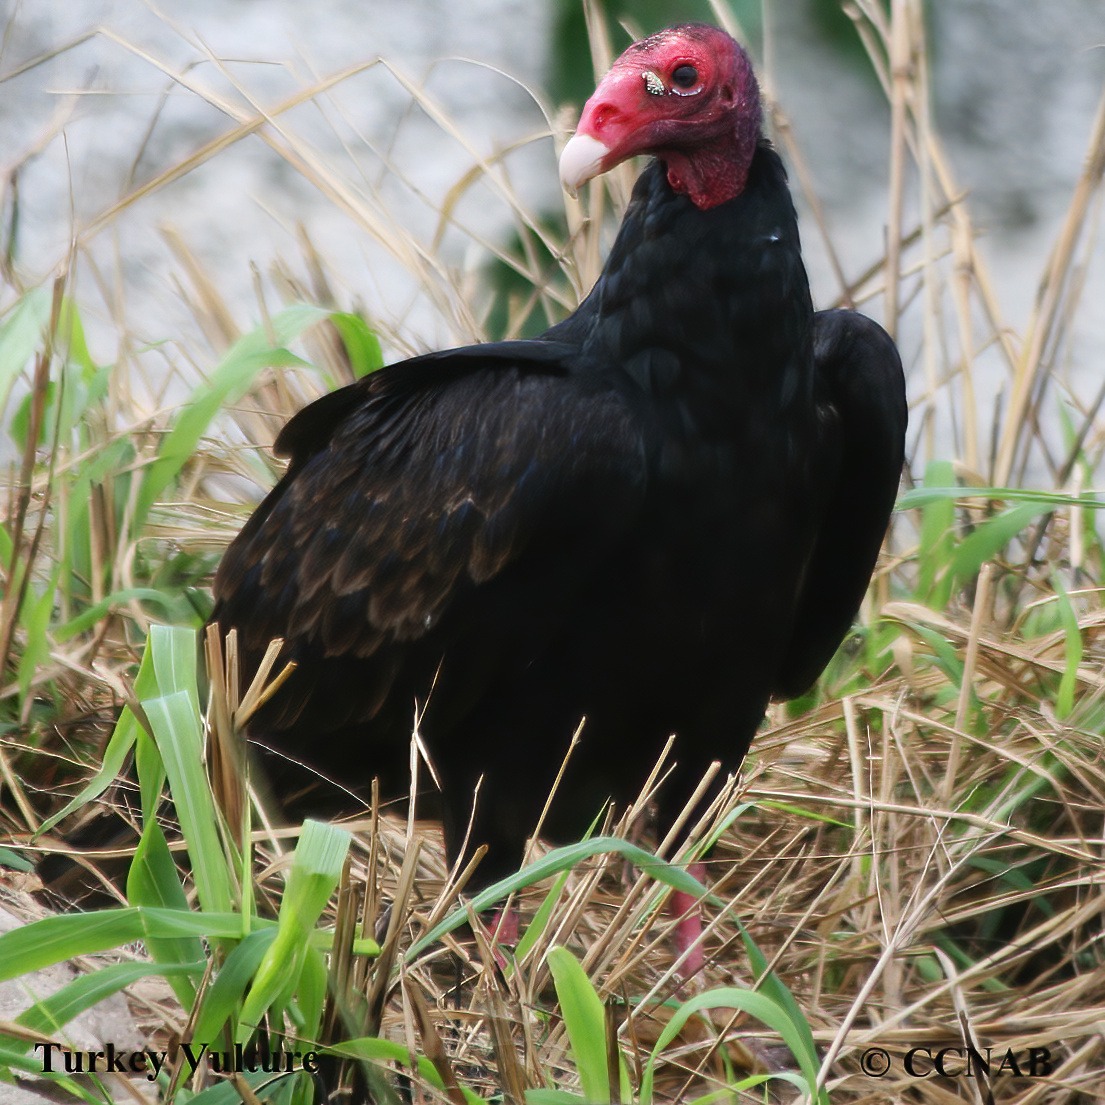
(453,504)
(861,371)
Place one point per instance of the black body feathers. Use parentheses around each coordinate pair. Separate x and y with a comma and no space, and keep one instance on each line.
(659,515)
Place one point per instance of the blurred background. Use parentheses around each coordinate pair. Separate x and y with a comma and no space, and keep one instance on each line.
(377,164)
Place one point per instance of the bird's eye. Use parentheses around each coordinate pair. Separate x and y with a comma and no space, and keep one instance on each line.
(684,76)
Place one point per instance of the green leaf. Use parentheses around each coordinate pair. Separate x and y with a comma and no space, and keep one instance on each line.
(935,493)
(21,420)
(718,831)
(1014,877)
(541,918)
(585,1021)
(990,537)
(169,924)
(51,1014)
(14,860)
(88,618)
(361,343)
(16,1059)
(315,871)
(934,582)
(69,935)
(174,659)
(552,863)
(37,612)
(122,741)
(773,986)
(756,1005)
(374,1050)
(227,383)
(66,936)
(947,658)
(545,910)
(1064,701)
(21,336)
(153,881)
(311,992)
(271,1089)
(71,341)
(223,997)
(178,731)
(811,815)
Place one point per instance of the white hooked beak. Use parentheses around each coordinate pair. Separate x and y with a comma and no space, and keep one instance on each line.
(581,160)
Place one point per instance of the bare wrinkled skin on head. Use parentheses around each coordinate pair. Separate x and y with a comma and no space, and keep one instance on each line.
(686,95)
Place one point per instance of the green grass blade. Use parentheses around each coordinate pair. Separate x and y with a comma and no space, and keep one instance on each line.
(585,1021)
(21,336)
(361,343)
(15,861)
(174,661)
(179,924)
(801,811)
(229,381)
(271,1089)
(118,747)
(36,615)
(773,986)
(947,659)
(310,994)
(374,1050)
(313,878)
(934,581)
(561,859)
(757,1005)
(153,880)
(69,935)
(88,618)
(750,1083)
(49,1015)
(66,936)
(179,735)
(226,993)
(934,493)
(12,1059)
(541,918)
(1072,638)
(717,832)
(150,769)
(989,538)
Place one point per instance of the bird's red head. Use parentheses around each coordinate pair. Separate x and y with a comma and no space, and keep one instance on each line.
(687,95)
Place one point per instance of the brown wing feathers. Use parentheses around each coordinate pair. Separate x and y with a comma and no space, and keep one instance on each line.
(420,495)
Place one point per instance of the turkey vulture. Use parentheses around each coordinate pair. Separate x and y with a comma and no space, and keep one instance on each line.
(658,515)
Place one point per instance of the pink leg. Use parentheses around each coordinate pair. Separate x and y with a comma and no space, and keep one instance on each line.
(504,932)
(504,927)
(688,928)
